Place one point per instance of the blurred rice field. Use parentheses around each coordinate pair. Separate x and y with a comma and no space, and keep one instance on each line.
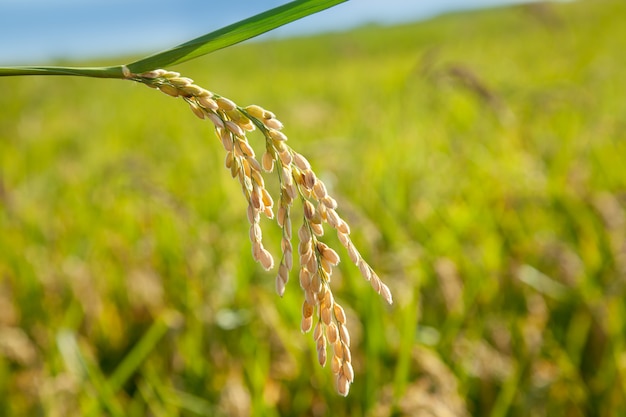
(479,158)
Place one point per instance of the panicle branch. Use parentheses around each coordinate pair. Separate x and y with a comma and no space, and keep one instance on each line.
(297,182)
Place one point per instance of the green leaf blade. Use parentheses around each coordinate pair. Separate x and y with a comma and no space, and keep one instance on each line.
(219,39)
(232,34)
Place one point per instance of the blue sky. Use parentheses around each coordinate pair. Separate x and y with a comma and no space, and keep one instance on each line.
(37,31)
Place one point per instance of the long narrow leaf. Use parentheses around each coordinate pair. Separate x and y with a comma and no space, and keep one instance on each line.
(233,34)
(140,351)
(229,35)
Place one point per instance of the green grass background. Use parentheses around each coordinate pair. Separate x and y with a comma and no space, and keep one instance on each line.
(479,158)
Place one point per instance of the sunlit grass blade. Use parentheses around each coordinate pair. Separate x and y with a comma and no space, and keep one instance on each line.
(82,366)
(233,34)
(504,400)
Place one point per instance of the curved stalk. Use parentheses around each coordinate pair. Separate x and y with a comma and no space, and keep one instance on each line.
(119,71)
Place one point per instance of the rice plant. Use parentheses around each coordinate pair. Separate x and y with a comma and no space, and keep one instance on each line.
(477,157)
(296,177)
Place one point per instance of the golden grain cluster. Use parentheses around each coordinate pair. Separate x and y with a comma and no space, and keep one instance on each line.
(297,182)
